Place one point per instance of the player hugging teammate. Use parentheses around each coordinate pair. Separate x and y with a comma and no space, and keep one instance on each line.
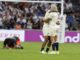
(50,30)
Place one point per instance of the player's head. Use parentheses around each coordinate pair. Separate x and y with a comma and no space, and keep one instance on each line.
(15,38)
(54,8)
(18,26)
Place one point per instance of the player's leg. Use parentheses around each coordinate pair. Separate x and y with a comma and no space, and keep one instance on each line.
(6,43)
(56,44)
(48,44)
(11,43)
(45,33)
(53,45)
(44,43)
(19,47)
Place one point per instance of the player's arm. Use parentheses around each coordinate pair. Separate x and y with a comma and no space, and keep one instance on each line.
(58,23)
(46,18)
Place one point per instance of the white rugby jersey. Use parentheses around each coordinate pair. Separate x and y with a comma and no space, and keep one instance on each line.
(53,15)
(54,18)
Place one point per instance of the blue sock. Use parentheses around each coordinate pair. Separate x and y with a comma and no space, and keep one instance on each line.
(53,46)
(57,46)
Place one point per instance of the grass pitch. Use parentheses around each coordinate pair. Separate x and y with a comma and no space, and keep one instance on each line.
(31,51)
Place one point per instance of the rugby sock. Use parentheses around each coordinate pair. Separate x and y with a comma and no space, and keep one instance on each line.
(47,49)
(57,46)
(53,46)
(42,49)
(49,44)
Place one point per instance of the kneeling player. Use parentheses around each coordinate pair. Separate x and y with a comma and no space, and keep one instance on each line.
(13,42)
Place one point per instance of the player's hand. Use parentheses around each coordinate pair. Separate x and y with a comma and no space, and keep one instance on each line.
(47,20)
(58,23)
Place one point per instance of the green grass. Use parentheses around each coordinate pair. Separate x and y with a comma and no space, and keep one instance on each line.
(31,51)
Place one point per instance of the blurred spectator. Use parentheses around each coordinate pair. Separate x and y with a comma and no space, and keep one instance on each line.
(68,6)
(29,24)
(69,21)
(17,26)
(22,20)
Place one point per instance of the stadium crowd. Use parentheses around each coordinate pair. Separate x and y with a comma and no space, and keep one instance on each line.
(30,15)
(72,11)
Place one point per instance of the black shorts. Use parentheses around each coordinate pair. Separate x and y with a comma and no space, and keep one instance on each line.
(9,42)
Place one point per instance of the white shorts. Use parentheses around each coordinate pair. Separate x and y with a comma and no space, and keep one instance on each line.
(45,30)
(49,30)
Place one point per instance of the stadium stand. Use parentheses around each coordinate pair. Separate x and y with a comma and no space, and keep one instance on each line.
(30,15)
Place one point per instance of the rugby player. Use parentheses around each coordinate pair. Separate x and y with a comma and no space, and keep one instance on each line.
(13,42)
(51,27)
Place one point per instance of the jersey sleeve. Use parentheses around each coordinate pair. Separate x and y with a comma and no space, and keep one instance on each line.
(46,15)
